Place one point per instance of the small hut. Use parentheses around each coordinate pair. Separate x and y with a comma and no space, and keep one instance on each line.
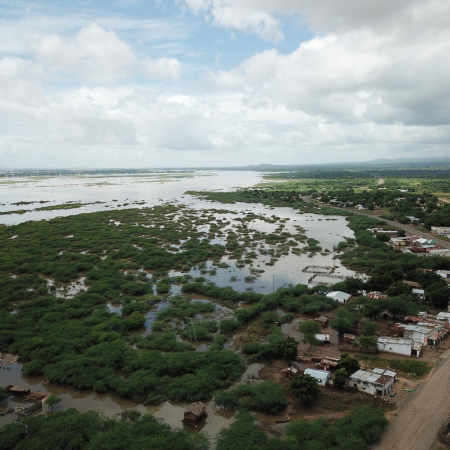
(16,390)
(194,413)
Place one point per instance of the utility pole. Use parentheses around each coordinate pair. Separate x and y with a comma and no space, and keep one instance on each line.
(273,283)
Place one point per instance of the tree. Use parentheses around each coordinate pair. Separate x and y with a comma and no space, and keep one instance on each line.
(351,365)
(53,400)
(373,308)
(400,306)
(340,377)
(305,388)
(341,325)
(367,342)
(399,288)
(289,348)
(369,328)
(242,434)
(439,294)
(309,330)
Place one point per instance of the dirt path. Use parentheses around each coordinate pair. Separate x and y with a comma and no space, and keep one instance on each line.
(417,424)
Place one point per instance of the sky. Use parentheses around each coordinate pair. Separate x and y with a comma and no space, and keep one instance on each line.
(188,83)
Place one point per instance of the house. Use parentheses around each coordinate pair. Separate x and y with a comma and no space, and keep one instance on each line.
(443,317)
(339,296)
(424,243)
(399,346)
(16,390)
(28,408)
(399,241)
(7,359)
(322,376)
(425,333)
(413,219)
(419,293)
(377,295)
(443,273)
(439,252)
(322,320)
(324,339)
(194,413)
(391,233)
(330,362)
(378,382)
(349,338)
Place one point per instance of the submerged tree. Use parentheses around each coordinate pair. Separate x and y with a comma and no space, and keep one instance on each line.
(53,400)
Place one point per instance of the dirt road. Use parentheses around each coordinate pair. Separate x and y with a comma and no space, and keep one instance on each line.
(417,424)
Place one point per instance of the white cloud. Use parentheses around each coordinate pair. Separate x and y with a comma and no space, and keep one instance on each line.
(238,14)
(350,77)
(161,68)
(94,53)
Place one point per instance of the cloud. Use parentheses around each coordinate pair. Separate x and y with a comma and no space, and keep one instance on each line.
(236,14)
(161,68)
(264,17)
(95,53)
(351,77)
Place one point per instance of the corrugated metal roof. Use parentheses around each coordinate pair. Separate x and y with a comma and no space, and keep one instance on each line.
(393,340)
(321,374)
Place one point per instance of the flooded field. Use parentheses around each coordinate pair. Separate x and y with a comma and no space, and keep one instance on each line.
(261,266)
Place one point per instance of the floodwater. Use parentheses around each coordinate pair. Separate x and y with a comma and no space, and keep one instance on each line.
(170,412)
(120,192)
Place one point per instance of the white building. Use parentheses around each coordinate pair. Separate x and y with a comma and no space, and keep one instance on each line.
(339,296)
(379,382)
(443,273)
(439,252)
(323,338)
(443,317)
(322,376)
(399,346)
(419,333)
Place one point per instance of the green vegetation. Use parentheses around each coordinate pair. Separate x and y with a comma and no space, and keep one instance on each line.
(403,367)
(309,329)
(93,431)
(264,397)
(349,364)
(53,400)
(305,388)
(340,377)
(355,431)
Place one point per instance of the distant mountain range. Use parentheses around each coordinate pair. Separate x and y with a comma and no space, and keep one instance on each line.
(381,163)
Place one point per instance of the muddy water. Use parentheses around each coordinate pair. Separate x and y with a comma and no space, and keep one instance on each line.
(170,412)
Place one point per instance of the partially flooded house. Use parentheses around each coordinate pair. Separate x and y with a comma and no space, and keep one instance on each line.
(194,413)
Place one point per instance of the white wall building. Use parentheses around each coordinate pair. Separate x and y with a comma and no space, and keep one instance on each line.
(322,376)
(399,346)
(341,297)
